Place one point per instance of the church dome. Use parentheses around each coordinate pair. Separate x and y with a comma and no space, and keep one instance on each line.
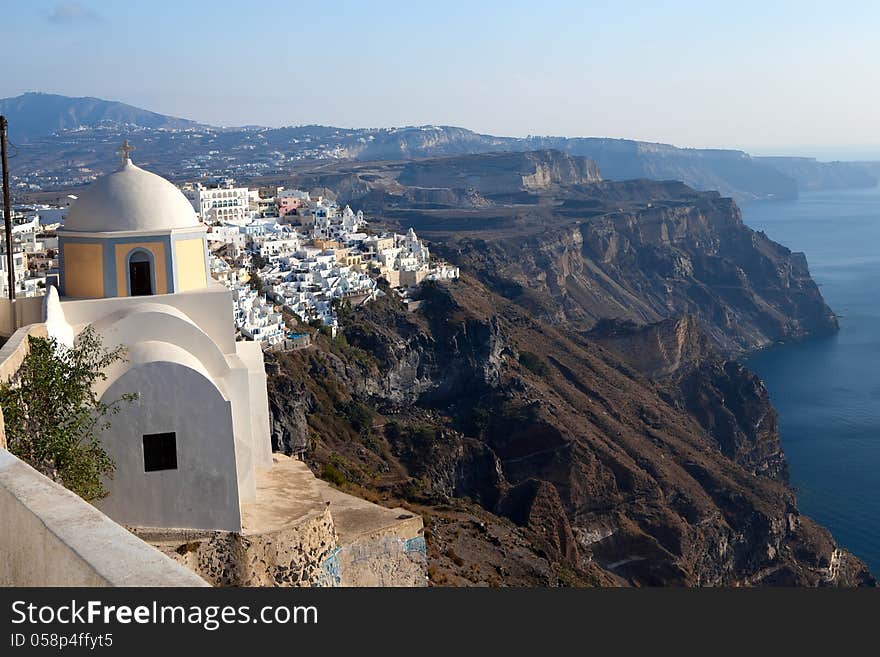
(130,199)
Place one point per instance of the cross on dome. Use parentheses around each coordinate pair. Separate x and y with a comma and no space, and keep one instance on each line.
(124,150)
(130,199)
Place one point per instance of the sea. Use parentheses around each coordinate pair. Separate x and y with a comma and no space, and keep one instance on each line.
(827,390)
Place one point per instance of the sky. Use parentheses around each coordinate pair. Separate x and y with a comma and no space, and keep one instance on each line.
(800,78)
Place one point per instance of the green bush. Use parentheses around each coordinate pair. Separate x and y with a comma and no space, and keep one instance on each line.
(534,363)
(333,474)
(256,283)
(358,415)
(53,416)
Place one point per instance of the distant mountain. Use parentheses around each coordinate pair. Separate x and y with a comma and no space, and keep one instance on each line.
(67,141)
(733,173)
(33,115)
(812,175)
(730,172)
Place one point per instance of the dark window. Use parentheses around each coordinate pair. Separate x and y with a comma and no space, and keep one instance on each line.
(160,451)
(140,276)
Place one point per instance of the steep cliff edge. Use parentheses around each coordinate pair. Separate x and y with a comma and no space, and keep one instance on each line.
(651,261)
(501,172)
(466,181)
(728,401)
(538,457)
(567,413)
(812,175)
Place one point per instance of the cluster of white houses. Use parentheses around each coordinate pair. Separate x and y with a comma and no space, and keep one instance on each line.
(308,254)
(34,250)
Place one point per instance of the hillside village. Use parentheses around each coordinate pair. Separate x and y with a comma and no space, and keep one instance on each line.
(190,448)
(288,257)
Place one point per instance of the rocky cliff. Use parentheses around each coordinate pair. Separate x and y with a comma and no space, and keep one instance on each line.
(727,400)
(568,413)
(811,175)
(649,261)
(502,172)
(538,456)
(462,182)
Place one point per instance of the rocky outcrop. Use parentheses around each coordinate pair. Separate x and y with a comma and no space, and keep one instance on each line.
(729,401)
(656,350)
(459,182)
(495,173)
(732,173)
(644,264)
(610,477)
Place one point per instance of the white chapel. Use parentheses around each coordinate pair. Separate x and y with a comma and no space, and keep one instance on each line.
(133,263)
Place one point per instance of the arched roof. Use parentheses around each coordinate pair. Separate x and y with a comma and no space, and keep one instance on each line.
(130,199)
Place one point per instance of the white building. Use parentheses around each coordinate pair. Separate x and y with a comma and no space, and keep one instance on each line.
(227,235)
(405,261)
(19,268)
(255,317)
(222,203)
(332,225)
(352,222)
(134,265)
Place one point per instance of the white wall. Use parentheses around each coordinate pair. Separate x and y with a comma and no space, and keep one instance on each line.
(210,309)
(251,355)
(19,313)
(51,537)
(203,492)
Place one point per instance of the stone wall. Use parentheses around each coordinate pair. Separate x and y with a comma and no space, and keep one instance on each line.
(306,555)
(292,556)
(383,560)
(51,537)
(342,541)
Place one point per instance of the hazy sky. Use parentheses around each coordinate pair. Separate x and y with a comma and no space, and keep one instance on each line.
(795,77)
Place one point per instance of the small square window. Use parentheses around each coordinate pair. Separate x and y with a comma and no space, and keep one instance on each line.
(160,451)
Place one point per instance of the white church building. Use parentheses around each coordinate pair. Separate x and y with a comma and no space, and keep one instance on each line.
(133,264)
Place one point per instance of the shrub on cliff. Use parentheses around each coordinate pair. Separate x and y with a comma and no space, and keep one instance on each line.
(53,416)
(534,363)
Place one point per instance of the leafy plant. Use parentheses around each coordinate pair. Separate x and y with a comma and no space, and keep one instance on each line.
(533,362)
(54,418)
(358,415)
(333,474)
(256,283)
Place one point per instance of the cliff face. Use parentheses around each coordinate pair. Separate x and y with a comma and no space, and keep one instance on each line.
(502,172)
(645,264)
(462,182)
(733,173)
(728,401)
(567,413)
(533,451)
(811,175)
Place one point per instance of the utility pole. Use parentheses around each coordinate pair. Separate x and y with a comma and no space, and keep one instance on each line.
(7,209)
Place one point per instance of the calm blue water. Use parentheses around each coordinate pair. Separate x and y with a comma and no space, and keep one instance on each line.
(827,391)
